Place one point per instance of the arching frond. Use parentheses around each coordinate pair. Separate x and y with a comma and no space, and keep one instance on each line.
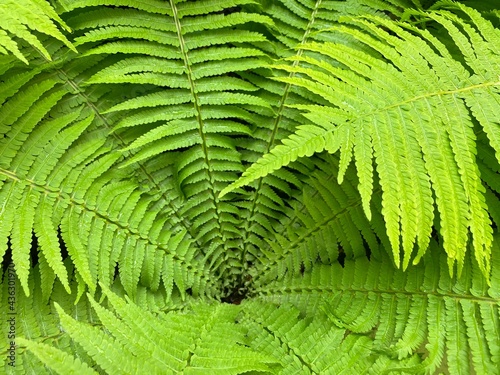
(187,342)
(130,246)
(295,23)
(23,20)
(56,185)
(422,310)
(188,54)
(418,125)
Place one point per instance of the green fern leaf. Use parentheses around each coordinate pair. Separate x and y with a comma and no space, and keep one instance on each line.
(304,346)
(305,142)
(400,139)
(372,140)
(22,16)
(404,310)
(61,362)
(91,338)
(21,236)
(191,354)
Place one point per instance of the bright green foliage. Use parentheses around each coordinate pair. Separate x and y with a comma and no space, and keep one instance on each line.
(160,158)
(20,18)
(420,309)
(365,317)
(417,125)
(60,361)
(188,342)
(307,345)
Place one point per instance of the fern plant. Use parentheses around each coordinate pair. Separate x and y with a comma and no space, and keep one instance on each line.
(177,193)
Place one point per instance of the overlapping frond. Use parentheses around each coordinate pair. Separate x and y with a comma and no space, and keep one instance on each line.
(311,344)
(418,125)
(56,185)
(36,320)
(122,227)
(187,56)
(327,225)
(24,20)
(448,322)
(365,316)
(194,341)
(41,344)
(295,23)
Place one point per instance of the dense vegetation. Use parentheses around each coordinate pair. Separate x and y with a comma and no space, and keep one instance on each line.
(250,186)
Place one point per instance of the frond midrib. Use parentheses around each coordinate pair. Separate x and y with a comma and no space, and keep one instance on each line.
(199,119)
(172,210)
(274,132)
(62,196)
(315,289)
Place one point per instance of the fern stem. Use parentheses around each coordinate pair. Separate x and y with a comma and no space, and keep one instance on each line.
(274,132)
(201,129)
(268,290)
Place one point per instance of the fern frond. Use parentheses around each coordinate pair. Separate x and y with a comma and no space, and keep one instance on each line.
(27,169)
(327,224)
(38,330)
(311,345)
(204,331)
(420,136)
(113,164)
(60,361)
(194,101)
(37,324)
(296,24)
(56,187)
(21,18)
(124,240)
(405,311)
